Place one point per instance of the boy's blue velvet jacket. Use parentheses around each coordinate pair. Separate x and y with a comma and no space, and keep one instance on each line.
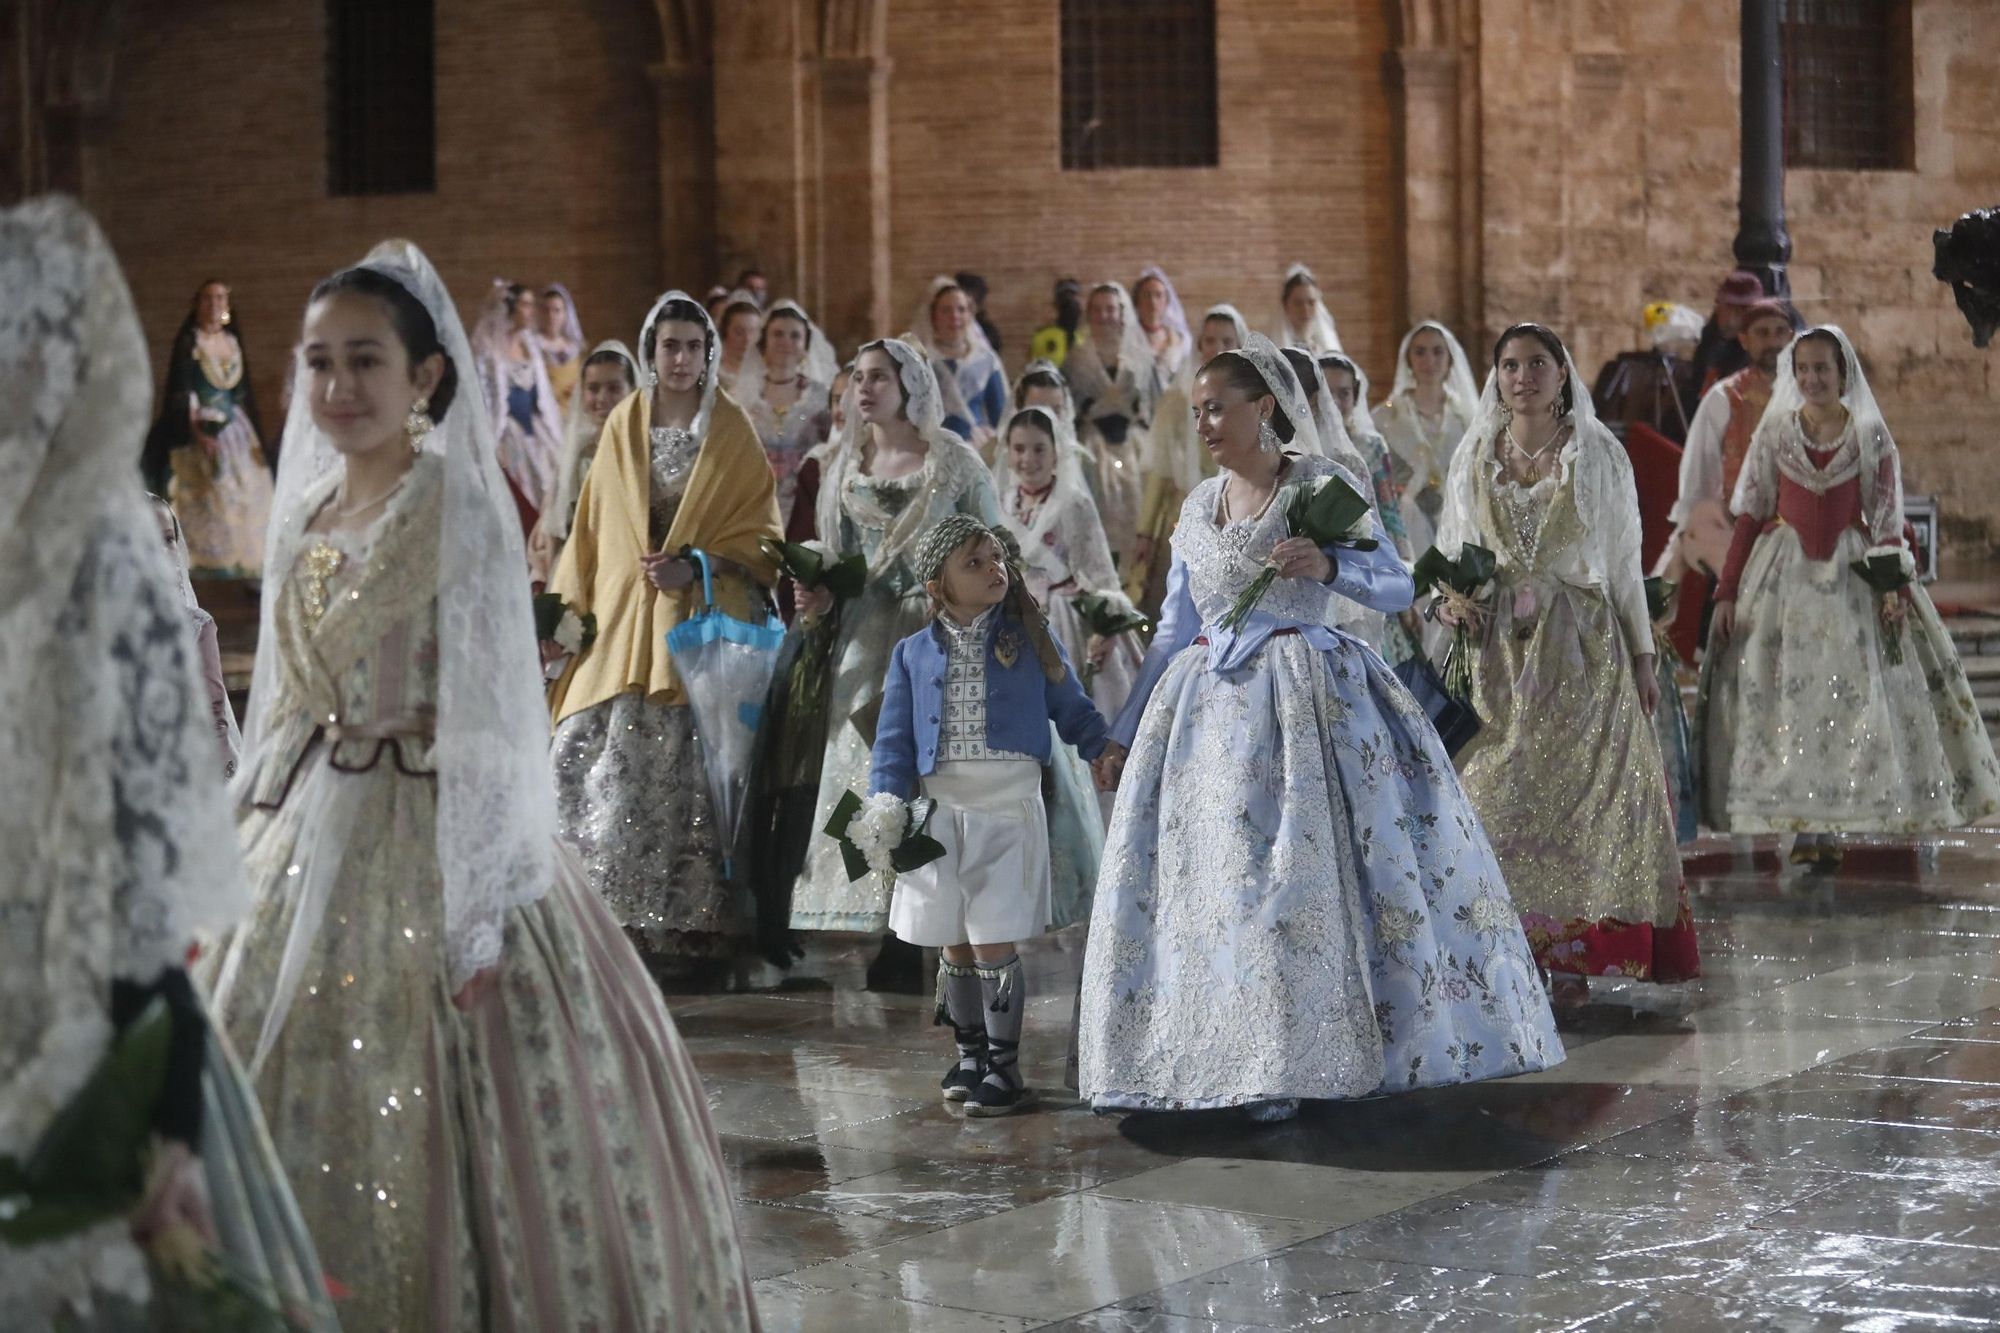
(1020,704)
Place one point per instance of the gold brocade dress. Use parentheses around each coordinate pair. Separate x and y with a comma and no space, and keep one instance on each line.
(1566,772)
(544,1161)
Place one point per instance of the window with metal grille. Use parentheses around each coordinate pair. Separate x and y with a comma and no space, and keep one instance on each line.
(1138,84)
(381,118)
(1849,103)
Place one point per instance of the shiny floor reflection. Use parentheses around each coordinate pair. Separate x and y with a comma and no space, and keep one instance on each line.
(1808,1138)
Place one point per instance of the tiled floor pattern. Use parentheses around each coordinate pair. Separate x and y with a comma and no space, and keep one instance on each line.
(1806,1139)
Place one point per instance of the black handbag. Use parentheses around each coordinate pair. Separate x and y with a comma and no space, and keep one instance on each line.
(1454,719)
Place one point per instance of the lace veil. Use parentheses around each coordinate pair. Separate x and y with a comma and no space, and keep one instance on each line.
(1327,422)
(1270,363)
(842,468)
(820,365)
(921,334)
(119,843)
(1461,391)
(1319,332)
(1778,443)
(572,329)
(580,434)
(1069,479)
(1360,422)
(496,818)
(711,375)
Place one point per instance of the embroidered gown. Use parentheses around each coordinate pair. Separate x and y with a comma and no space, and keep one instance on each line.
(893,607)
(632,793)
(789,433)
(1806,725)
(221,487)
(1420,450)
(1566,771)
(544,1161)
(1296,899)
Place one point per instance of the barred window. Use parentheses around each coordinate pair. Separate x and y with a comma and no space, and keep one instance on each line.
(1138,84)
(381,116)
(1849,100)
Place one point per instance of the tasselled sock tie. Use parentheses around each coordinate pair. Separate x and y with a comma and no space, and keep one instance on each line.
(1004,990)
(962,1006)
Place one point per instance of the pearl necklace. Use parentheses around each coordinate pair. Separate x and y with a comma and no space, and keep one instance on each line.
(340,511)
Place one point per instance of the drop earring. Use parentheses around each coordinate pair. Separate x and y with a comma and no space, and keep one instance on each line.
(1267,438)
(418,425)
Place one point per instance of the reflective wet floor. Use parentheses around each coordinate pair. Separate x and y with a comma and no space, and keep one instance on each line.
(1806,1139)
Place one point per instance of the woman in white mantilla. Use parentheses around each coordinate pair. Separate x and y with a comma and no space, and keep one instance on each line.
(1566,770)
(786,386)
(1046,505)
(513,379)
(679,466)
(1297,900)
(114,825)
(1827,707)
(972,384)
(1429,406)
(1302,319)
(1116,385)
(470,1075)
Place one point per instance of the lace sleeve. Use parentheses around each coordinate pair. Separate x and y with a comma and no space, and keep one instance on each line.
(1882,489)
(1757,485)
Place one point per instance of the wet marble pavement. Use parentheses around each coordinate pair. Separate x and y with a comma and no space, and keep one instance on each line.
(1808,1138)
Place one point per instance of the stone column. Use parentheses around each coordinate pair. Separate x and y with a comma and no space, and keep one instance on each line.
(1762,244)
(1430,160)
(760,124)
(852,197)
(687,174)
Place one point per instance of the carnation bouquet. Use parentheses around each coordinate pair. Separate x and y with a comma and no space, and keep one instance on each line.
(1327,513)
(884,834)
(1888,570)
(1106,617)
(1458,584)
(557,622)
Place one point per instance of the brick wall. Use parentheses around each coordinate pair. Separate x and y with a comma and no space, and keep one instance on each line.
(1610,151)
(210,161)
(1305,175)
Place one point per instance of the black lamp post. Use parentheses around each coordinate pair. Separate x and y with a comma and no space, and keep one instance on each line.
(1762,244)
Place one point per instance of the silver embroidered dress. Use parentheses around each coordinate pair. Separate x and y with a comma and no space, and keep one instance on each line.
(630,788)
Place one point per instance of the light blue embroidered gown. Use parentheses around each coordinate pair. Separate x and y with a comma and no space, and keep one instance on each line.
(1296,899)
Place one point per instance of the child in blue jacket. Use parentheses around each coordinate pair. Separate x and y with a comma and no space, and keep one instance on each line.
(965,716)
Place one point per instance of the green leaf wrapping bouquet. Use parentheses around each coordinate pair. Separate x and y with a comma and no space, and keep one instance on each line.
(883,834)
(1459,584)
(1105,618)
(1328,512)
(1888,570)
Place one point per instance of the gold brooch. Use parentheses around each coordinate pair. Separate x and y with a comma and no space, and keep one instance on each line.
(1007,648)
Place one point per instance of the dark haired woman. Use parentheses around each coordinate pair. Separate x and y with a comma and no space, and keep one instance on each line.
(1566,772)
(1303,319)
(205,453)
(468,1073)
(1296,899)
(1809,723)
(678,465)
(607,377)
(513,378)
(739,327)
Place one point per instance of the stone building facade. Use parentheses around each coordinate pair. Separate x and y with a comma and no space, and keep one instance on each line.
(1480,161)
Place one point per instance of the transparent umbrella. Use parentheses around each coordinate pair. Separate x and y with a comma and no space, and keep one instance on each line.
(725,665)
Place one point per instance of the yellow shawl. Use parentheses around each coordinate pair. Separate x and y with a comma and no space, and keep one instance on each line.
(729,509)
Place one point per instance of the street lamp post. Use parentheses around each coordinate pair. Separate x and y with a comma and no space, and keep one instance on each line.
(1762,244)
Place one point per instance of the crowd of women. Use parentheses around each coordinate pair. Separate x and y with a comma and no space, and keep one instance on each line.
(414,1051)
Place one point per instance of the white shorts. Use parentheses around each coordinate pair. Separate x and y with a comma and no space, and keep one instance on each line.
(991,886)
